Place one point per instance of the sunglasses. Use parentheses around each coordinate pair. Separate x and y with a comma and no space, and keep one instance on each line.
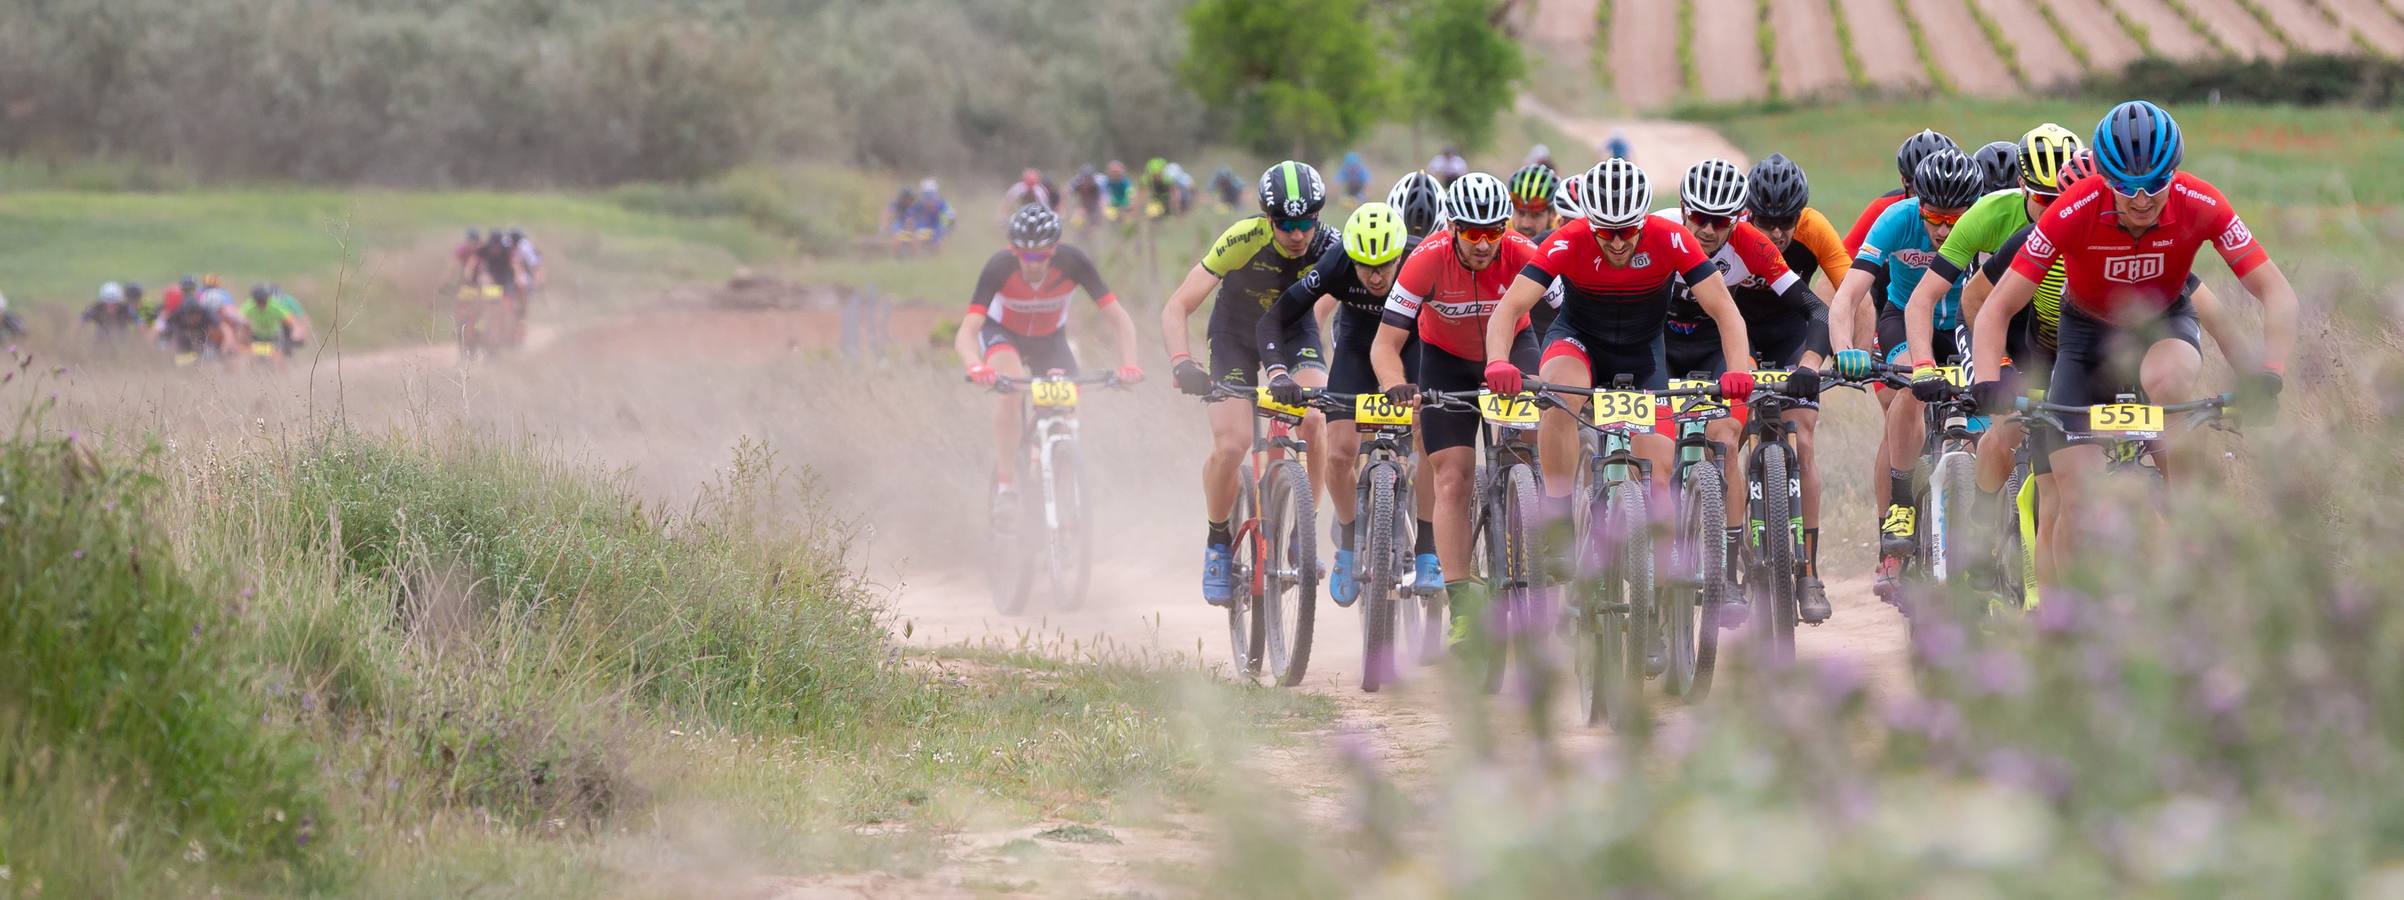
(1620,233)
(1709,220)
(1777,224)
(1297,226)
(2154,189)
(1481,234)
(2044,198)
(1943,219)
(1033,256)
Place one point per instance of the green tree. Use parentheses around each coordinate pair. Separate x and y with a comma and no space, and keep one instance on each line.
(1460,70)
(1298,77)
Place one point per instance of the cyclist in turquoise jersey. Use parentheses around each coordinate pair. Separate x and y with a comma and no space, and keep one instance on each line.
(1903,244)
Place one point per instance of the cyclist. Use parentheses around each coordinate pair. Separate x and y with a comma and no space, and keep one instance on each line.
(1086,187)
(1448,165)
(146,310)
(1447,294)
(1118,189)
(929,217)
(1251,265)
(1420,200)
(1017,322)
(1029,188)
(1228,187)
(1778,201)
(2127,242)
(110,315)
(1353,175)
(1616,270)
(296,329)
(1907,160)
(1903,243)
(465,253)
(530,261)
(1181,189)
(1355,278)
(1786,324)
(1998,165)
(264,323)
(1160,194)
(1532,190)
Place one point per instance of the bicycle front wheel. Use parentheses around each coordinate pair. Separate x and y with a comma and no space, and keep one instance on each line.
(1009,573)
(1775,568)
(1071,554)
(1691,596)
(1626,709)
(1598,633)
(1380,571)
(1515,624)
(1245,630)
(1948,534)
(1289,578)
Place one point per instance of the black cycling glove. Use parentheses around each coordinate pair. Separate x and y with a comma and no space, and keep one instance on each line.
(1803,384)
(1192,378)
(1993,397)
(1284,389)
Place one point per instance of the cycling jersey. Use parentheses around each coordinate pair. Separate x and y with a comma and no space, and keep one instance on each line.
(1769,294)
(1982,229)
(1004,297)
(1817,247)
(1869,216)
(527,254)
(1120,189)
(497,259)
(2115,276)
(1899,244)
(266,321)
(1335,275)
(1619,306)
(1450,304)
(1253,272)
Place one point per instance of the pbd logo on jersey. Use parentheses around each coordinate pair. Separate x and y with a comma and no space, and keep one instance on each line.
(2237,236)
(2133,269)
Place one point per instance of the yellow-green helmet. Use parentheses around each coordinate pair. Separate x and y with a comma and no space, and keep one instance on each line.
(1374,235)
(2044,150)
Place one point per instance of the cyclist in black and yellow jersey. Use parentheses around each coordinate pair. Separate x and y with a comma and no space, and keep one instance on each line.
(1250,265)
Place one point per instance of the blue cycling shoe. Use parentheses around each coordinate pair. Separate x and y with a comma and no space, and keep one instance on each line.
(1342,584)
(1430,575)
(1218,564)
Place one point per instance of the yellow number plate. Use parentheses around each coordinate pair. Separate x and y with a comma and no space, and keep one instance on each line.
(1054,394)
(1267,404)
(2124,417)
(262,348)
(492,292)
(1519,410)
(1696,407)
(1770,376)
(1955,375)
(1625,408)
(1375,410)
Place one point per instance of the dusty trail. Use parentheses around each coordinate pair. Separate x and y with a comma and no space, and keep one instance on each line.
(1663,147)
(1807,55)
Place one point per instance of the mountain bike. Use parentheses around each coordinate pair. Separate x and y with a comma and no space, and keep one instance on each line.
(1772,552)
(1275,562)
(2131,430)
(1696,582)
(1615,610)
(472,312)
(1044,530)
(1948,540)
(1503,528)
(1394,614)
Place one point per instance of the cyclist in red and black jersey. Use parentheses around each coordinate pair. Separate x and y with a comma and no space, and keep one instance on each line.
(1017,322)
(2127,243)
(1446,294)
(1617,269)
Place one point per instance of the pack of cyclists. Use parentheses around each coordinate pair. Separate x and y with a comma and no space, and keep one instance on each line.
(197,319)
(2058,265)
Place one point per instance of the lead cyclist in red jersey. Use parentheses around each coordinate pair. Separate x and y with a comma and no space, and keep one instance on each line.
(1018,320)
(2127,242)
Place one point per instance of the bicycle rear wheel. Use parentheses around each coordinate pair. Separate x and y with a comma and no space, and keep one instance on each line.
(1699,559)
(1775,589)
(1290,577)
(1245,630)
(1380,571)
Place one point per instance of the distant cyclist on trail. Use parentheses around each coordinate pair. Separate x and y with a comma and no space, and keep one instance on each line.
(1617,147)
(1448,165)
(1117,189)
(1353,176)
(1028,189)
(1228,187)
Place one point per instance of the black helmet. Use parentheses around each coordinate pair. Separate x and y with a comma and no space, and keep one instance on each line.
(1779,190)
(516,233)
(1419,200)
(1034,227)
(261,292)
(188,283)
(1916,148)
(1947,180)
(1292,190)
(1998,165)
(133,290)
(474,235)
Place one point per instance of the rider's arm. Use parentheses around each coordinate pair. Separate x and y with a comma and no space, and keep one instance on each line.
(1815,233)
(1849,297)
(1292,306)
(2269,285)
(966,342)
(1174,314)
(1920,314)
(1711,292)
(1974,295)
(969,342)
(1385,354)
(2235,345)
(1993,326)
(1503,327)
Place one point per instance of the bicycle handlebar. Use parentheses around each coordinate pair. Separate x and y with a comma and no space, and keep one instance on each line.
(2215,402)
(1005,384)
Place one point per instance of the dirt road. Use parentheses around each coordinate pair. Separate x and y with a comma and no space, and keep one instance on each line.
(1663,147)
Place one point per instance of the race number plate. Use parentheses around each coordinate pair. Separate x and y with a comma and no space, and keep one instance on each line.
(2124,417)
(1955,375)
(262,348)
(1374,410)
(1692,408)
(1054,394)
(1770,377)
(1623,409)
(1269,405)
(1518,411)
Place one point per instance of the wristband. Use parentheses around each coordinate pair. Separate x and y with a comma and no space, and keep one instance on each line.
(1175,358)
(2276,368)
(1924,364)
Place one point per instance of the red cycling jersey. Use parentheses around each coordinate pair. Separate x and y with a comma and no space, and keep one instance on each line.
(1869,217)
(1004,296)
(1456,302)
(1613,305)
(2107,271)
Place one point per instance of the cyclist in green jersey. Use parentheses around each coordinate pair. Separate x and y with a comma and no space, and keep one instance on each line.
(1250,265)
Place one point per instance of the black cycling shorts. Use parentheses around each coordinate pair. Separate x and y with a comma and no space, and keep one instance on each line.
(1605,362)
(1892,339)
(1235,352)
(1041,353)
(1439,370)
(1348,369)
(2098,360)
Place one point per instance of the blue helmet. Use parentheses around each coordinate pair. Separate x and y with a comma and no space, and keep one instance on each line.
(2138,146)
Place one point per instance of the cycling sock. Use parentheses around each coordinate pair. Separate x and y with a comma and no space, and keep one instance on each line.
(1220,535)
(1426,541)
(1343,535)
(1736,559)
(1899,487)
(1811,552)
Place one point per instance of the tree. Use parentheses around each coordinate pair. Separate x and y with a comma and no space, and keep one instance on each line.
(1298,77)
(1459,69)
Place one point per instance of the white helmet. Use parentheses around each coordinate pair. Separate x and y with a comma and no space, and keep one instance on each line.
(1477,199)
(1715,187)
(112,292)
(1565,199)
(1615,194)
